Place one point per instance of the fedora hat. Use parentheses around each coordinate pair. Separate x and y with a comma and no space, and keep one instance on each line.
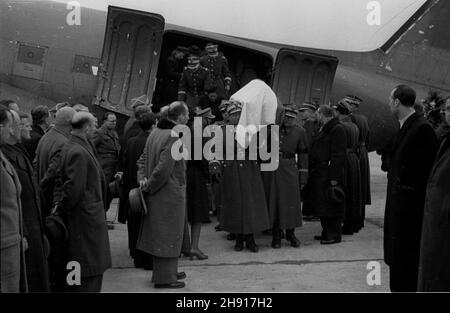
(137,201)
(336,194)
(56,230)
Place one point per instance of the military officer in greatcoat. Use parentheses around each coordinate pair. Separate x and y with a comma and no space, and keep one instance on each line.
(307,113)
(217,65)
(352,182)
(282,186)
(194,80)
(363,143)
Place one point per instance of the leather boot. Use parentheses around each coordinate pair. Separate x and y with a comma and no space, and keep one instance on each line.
(290,236)
(250,243)
(239,242)
(276,238)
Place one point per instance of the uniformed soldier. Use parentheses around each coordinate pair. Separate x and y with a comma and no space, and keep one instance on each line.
(282,186)
(217,65)
(352,182)
(363,142)
(244,210)
(194,80)
(311,125)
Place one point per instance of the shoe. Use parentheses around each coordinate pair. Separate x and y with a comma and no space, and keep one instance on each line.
(231,236)
(253,247)
(198,254)
(250,243)
(320,237)
(185,253)
(276,244)
(292,239)
(239,246)
(178,284)
(181,275)
(218,227)
(330,241)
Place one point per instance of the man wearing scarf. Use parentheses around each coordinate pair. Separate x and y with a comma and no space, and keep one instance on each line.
(194,80)
(217,65)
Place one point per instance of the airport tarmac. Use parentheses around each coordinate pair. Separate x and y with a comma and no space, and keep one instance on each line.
(311,268)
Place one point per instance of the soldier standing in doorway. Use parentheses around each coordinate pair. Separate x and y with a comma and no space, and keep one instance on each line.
(194,80)
(217,65)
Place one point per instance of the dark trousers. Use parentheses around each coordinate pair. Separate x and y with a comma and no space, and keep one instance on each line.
(186,245)
(331,227)
(164,270)
(141,258)
(88,284)
(404,280)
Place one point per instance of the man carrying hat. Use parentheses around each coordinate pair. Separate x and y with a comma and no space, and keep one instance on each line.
(194,80)
(352,184)
(217,65)
(363,126)
(282,186)
(326,175)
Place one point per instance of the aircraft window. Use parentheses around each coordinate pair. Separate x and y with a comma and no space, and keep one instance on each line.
(84,64)
(31,54)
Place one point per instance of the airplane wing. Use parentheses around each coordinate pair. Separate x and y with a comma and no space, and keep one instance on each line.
(346,25)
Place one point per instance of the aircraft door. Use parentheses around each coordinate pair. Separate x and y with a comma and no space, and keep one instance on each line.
(129,59)
(302,76)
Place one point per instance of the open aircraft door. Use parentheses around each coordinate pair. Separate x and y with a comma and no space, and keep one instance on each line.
(130,58)
(302,76)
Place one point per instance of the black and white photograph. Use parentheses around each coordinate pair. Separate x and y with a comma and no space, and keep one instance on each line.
(225,152)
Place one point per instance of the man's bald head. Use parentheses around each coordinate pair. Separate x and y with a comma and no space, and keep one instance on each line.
(64,117)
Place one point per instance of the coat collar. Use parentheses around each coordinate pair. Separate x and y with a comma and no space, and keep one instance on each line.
(166,124)
(330,125)
(406,126)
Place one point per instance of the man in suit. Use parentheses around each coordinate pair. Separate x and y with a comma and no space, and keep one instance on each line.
(81,205)
(412,156)
(163,181)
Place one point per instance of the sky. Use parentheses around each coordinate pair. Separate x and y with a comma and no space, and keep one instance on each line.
(347,25)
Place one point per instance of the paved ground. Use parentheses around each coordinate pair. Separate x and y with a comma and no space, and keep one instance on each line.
(312,267)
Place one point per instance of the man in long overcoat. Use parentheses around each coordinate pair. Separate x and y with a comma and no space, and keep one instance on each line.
(107,146)
(81,205)
(282,186)
(244,209)
(412,157)
(48,151)
(327,171)
(434,262)
(131,153)
(38,247)
(363,144)
(163,181)
(352,184)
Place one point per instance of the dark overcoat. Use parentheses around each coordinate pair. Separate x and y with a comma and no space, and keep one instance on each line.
(352,184)
(412,157)
(46,164)
(38,246)
(131,152)
(244,209)
(83,193)
(107,146)
(31,144)
(326,163)
(193,84)
(364,132)
(282,186)
(434,269)
(162,228)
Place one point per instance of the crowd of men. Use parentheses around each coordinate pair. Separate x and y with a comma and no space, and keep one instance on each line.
(58,180)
